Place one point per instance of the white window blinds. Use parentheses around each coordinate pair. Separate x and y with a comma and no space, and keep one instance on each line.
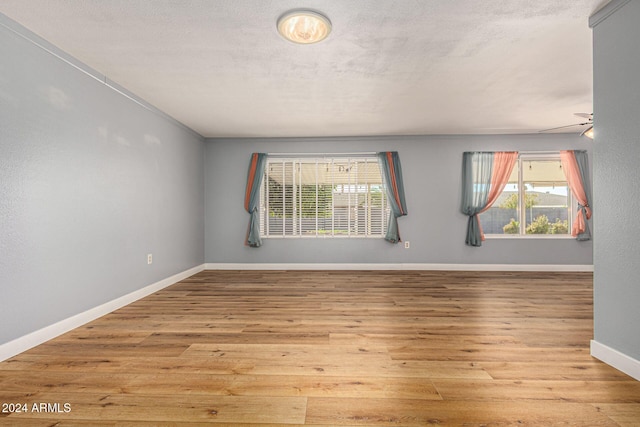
(328,196)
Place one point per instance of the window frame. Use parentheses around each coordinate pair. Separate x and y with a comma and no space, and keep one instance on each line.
(572,203)
(333,158)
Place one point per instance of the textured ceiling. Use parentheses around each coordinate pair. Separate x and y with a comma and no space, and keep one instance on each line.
(388,67)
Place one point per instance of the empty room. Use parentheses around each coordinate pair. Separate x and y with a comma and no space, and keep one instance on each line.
(329,213)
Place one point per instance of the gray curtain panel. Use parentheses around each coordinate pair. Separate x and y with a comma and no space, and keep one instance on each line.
(392,175)
(252,197)
(477,168)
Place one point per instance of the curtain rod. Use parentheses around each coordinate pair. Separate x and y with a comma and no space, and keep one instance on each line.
(540,152)
(364,153)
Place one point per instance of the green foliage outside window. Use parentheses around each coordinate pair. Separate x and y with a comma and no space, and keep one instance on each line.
(376,197)
(512,228)
(560,227)
(541,225)
(307,202)
(511,202)
(309,206)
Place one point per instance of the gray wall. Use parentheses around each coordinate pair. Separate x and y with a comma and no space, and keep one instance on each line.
(435,228)
(90,182)
(616,177)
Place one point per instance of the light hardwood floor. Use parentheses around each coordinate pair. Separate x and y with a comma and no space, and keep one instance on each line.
(331,348)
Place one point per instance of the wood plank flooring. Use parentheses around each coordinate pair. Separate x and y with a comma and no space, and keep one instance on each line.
(330,348)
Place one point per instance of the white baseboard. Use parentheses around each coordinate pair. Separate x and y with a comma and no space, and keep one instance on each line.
(398,266)
(614,358)
(40,336)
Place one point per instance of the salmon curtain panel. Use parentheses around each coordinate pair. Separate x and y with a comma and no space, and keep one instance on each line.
(252,198)
(576,169)
(484,176)
(391,171)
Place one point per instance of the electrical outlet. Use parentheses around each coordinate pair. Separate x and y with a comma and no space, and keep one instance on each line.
(407,245)
(149,258)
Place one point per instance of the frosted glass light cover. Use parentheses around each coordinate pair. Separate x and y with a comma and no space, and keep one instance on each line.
(304,26)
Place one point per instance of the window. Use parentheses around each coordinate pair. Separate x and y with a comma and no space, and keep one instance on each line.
(536,201)
(323,197)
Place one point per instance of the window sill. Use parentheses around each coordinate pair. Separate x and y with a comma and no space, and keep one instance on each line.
(321,236)
(529,236)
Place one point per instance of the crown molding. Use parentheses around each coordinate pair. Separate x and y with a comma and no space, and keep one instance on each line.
(605,11)
(63,56)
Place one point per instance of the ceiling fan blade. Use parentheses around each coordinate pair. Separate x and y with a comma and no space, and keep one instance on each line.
(567,126)
(584,115)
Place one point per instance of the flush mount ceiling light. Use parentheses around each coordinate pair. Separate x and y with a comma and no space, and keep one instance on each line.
(304,26)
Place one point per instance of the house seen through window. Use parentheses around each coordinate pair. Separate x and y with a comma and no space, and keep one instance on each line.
(536,201)
(323,197)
